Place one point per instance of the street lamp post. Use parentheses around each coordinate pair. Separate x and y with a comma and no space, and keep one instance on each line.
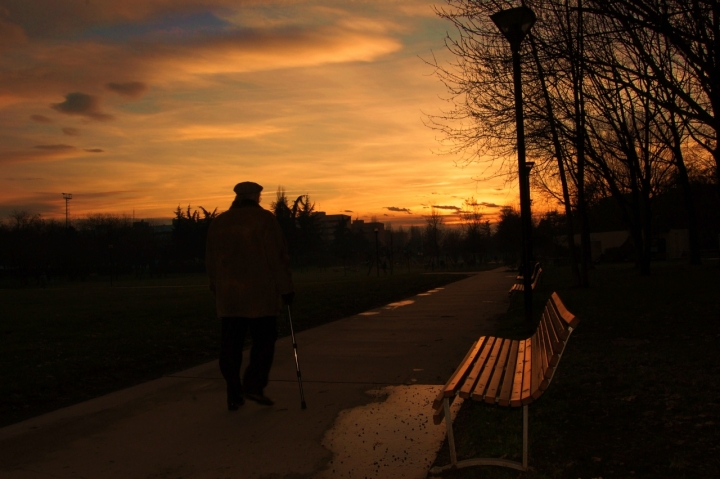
(67,197)
(515,23)
(377,252)
(392,252)
(531,257)
(112,261)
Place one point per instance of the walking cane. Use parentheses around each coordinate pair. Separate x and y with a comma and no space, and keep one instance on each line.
(297,364)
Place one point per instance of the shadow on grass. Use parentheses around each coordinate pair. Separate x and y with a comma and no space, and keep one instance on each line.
(636,393)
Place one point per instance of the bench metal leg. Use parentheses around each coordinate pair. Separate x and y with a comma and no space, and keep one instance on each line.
(480,461)
(525,437)
(450,435)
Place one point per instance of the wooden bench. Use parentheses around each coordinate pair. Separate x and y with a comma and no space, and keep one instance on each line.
(535,270)
(535,278)
(509,373)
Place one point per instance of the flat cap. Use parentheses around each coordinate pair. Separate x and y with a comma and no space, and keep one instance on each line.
(247,189)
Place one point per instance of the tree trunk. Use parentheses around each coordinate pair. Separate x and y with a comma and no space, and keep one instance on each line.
(579,101)
(684,180)
(647,233)
(570,230)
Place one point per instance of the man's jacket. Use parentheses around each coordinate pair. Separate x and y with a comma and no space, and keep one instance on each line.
(247,262)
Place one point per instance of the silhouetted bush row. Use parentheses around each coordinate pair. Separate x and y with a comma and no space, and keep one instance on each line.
(34,250)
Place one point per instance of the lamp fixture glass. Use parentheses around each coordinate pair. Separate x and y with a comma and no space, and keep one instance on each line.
(514,23)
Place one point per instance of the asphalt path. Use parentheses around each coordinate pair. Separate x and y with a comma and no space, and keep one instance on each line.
(368,381)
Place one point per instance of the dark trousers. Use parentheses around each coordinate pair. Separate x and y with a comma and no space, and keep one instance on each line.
(263,332)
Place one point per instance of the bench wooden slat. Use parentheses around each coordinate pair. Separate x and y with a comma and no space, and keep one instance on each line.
(536,278)
(542,368)
(547,334)
(437,402)
(438,398)
(479,389)
(517,385)
(472,378)
(545,347)
(554,344)
(438,414)
(551,356)
(542,386)
(526,396)
(566,315)
(541,365)
(555,330)
(535,373)
(549,369)
(506,389)
(498,372)
(452,384)
(558,324)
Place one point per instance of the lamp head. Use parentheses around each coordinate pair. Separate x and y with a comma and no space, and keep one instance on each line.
(514,23)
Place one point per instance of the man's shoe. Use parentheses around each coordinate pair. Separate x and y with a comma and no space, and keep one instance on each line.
(260,399)
(235,403)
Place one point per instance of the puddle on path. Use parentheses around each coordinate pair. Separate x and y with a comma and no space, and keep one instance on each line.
(399,304)
(390,439)
(369,313)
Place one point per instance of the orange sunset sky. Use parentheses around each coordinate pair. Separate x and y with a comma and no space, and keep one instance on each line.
(144,105)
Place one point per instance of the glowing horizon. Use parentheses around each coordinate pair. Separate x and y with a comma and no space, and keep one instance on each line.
(146,105)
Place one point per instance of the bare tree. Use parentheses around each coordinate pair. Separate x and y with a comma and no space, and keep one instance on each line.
(615,93)
(691,32)
(475,230)
(433,233)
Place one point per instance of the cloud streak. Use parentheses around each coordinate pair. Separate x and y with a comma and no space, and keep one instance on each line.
(132,89)
(71,131)
(447,207)
(81,104)
(399,210)
(55,147)
(261,50)
(40,119)
(208,132)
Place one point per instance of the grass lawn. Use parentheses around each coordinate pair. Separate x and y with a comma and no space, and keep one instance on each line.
(637,393)
(75,341)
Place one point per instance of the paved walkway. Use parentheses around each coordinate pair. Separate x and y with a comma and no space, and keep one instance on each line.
(368,382)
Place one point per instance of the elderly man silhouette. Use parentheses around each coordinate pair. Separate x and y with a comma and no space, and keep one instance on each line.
(249,271)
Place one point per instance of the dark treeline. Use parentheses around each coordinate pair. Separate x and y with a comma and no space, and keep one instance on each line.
(37,250)
(34,250)
(620,100)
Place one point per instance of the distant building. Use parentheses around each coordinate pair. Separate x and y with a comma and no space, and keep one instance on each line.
(162,229)
(368,230)
(328,224)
